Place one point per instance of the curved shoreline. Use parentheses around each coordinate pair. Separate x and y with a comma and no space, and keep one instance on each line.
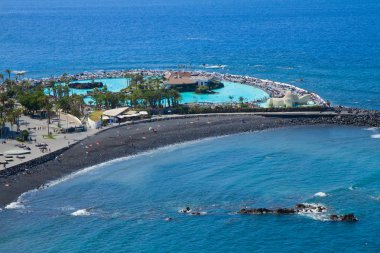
(127,140)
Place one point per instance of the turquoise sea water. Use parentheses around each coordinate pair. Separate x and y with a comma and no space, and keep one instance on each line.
(128,200)
(333,45)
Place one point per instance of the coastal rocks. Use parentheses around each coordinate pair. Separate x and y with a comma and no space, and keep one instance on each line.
(299,208)
(303,208)
(86,86)
(347,217)
(187,210)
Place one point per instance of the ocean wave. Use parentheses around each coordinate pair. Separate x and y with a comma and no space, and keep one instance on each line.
(319,214)
(375,136)
(15,205)
(320,194)
(371,128)
(314,208)
(81,212)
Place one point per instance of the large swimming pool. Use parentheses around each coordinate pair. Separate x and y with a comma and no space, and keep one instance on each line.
(231,92)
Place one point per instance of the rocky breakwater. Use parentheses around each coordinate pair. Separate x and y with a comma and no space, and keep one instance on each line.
(344,116)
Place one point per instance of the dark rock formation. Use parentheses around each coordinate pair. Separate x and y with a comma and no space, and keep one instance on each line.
(85,86)
(347,217)
(299,208)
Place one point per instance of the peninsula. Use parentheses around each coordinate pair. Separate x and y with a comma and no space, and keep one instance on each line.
(140,123)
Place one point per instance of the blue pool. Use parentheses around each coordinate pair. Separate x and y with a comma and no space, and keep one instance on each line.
(231,92)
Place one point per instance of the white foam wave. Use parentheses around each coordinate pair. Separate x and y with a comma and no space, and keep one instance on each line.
(315,213)
(320,194)
(371,128)
(316,216)
(15,205)
(81,212)
(375,136)
(313,208)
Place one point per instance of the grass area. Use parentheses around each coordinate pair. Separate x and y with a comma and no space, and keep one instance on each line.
(49,136)
(95,116)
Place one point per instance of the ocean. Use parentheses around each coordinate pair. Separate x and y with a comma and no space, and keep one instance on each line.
(331,47)
(121,206)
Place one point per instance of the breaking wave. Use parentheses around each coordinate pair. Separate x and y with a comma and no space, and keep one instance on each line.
(320,194)
(81,212)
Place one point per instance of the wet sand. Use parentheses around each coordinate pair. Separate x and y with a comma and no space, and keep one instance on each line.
(132,139)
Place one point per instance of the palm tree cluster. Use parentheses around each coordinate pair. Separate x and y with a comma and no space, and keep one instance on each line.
(54,97)
(9,112)
(61,98)
(141,92)
(151,93)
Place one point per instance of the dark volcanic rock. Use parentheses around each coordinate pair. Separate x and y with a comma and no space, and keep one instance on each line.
(347,217)
(285,211)
(85,86)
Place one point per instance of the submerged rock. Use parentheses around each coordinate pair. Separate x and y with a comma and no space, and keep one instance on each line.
(347,217)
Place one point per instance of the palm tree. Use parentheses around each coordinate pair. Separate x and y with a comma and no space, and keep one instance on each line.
(1,77)
(8,71)
(241,99)
(231,98)
(19,74)
(49,109)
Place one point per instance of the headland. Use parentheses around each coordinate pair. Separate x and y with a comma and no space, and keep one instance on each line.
(130,135)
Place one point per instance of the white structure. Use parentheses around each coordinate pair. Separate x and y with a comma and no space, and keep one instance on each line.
(289,100)
(114,114)
(93,124)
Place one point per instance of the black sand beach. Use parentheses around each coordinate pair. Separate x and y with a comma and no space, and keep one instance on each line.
(132,139)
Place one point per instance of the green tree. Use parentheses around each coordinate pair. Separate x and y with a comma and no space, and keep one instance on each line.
(8,71)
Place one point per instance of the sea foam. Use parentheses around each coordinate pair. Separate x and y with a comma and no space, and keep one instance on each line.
(320,194)
(375,136)
(81,212)
(15,205)
(371,128)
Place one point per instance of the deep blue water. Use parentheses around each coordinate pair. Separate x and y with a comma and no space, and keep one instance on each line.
(130,198)
(333,45)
